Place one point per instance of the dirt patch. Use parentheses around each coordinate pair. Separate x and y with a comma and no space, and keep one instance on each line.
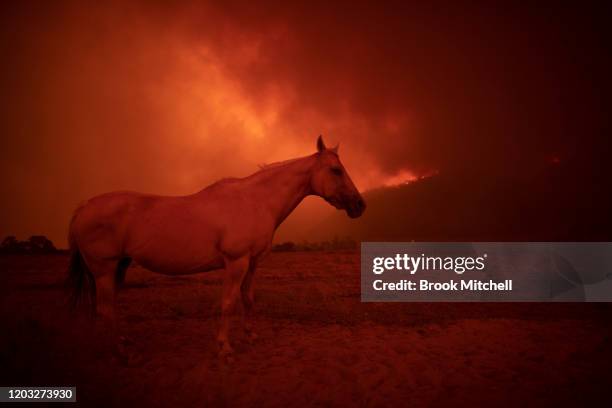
(318,344)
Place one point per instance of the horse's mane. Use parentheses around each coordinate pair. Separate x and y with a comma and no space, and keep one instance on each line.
(265,166)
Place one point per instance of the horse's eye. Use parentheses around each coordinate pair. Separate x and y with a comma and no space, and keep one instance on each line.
(337,171)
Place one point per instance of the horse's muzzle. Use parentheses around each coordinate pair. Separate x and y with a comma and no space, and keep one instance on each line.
(356,207)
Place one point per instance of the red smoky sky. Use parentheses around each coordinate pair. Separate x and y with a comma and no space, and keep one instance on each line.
(167,97)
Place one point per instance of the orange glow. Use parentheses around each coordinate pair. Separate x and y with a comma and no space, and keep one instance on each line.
(402,177)
(166,98)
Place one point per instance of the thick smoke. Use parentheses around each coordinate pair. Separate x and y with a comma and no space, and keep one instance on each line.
(168,97)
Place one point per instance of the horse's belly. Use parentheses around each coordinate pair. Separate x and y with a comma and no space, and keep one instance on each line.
(173,254)
(180,265)
(174,243)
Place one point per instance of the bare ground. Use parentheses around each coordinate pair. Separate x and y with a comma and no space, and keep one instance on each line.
(318,344)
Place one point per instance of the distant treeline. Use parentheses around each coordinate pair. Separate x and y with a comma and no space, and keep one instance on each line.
(38,244)
(333,245)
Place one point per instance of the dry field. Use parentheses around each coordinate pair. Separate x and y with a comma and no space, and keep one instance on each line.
(318,344)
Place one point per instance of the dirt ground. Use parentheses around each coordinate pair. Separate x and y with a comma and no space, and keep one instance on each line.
(318,344)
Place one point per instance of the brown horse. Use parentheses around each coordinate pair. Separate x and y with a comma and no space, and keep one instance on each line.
(229,224)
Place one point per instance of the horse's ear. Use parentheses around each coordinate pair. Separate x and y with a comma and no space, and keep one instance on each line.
(335,148)
(320,144)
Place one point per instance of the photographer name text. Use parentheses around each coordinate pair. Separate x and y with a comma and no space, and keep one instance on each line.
(452,285)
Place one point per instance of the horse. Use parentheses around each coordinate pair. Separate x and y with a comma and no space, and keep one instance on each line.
(229,224)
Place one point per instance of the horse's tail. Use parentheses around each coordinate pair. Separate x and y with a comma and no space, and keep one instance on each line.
(80,282)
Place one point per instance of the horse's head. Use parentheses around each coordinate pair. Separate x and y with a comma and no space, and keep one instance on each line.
(331,181)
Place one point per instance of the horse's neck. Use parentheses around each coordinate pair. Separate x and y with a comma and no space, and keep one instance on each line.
(282,187)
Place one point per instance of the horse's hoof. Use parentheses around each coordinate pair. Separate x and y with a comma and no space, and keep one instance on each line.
(228,358)
(226,353)
(120,355)
(135,360)
(126,340)
(125,357)
(252,337)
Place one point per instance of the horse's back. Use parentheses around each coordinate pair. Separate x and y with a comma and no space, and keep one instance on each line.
(174,234)
(164,233)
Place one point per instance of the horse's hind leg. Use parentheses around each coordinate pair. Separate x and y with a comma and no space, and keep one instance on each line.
(122,267)
(235,270)
(109,278)
(105,273)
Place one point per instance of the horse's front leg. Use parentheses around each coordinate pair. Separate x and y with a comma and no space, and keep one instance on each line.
(248,300)
(235,271)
